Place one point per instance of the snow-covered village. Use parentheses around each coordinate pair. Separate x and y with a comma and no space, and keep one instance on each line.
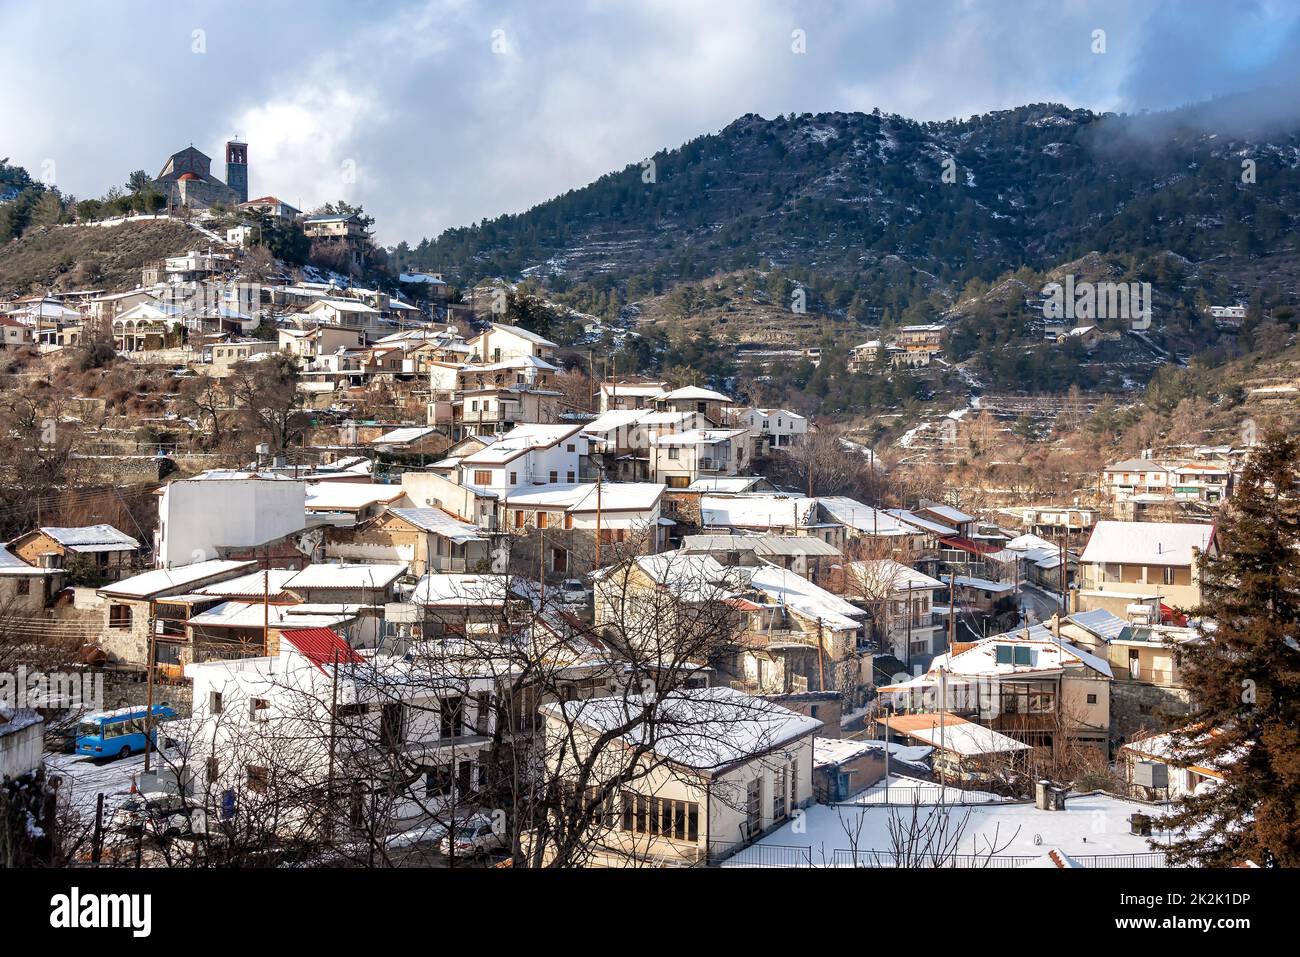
(900,489)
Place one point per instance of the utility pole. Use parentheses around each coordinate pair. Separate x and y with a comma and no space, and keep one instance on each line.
(821,674)
(952,621)
(600,474)
(334,712)
(1063,572)
(148,698)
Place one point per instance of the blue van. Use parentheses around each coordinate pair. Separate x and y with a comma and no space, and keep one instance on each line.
(120,733)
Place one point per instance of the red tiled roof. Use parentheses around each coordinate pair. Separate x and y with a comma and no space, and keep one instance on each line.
(318,645)
(967,545)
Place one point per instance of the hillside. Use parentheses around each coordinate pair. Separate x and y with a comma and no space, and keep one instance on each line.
(66,258)
(841,194)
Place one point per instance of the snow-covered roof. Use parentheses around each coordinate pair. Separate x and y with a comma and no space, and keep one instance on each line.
(259,583)
(793,591)
(614,419)
(983,584)
(1092,823)
(833,751)
(733,484)
(404,435)
(947,513)
(1136,465)
(693,393)
(92,538)
(347,575)
(13,720)
(185,577)
(619,497)
(349,496)
(511,362)
(697,437)
(688,577)
(633,389)
(342,305)
(1046,656)
(255,614)
(763,545)
(517,331)
(454,591)
(957,735)
(1147,543)
(889,574)
(438,522)
(519,440)
(863,518)
(920,521)
(703,729)
(11,564)
(756,511)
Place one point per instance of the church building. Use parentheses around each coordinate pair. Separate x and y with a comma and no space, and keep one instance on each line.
(186,178)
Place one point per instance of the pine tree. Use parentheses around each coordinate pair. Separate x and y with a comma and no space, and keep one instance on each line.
(1244,676)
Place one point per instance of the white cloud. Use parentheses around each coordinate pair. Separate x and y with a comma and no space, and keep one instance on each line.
(443,131)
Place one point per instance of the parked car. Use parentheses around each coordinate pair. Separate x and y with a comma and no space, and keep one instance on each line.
(471,838)
(162,813)
(574,592)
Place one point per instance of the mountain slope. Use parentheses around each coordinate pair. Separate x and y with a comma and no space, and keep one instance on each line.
(836,194)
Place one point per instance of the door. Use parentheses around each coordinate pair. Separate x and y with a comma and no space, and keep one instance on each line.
(1134,665)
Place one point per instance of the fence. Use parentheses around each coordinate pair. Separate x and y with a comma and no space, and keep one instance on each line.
(793,856)
(924,796)
(847,858)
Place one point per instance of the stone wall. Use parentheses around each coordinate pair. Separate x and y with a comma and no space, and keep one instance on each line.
(1135,706)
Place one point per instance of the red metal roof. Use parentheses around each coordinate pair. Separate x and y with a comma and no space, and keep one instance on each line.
(967,545)
(319,645)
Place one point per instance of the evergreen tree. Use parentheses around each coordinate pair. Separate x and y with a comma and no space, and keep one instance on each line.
(1244,675)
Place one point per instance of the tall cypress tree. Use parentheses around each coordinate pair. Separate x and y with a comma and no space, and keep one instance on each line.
(1244,675)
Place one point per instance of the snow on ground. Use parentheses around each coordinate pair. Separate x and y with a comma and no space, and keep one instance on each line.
(1090,824)
(84,778)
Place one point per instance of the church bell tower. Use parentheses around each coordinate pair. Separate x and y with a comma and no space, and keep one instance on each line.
(237,168)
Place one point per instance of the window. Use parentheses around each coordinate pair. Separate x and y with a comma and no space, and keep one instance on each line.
(674,452)
(780,788)
(1004,655)
(519,518)
(257,779)
(569,477)
(1023,655)
(119,616)
(753,807)
(258,708)
(554,476)
(1092,699)
(214,702)
(661,817)
(568,520)
(214,769)
(482,477)
(1167,573)
(451,717)
(25,584)
(514,478)
(1111,572)
(543,519)
(571,447)
(437,781)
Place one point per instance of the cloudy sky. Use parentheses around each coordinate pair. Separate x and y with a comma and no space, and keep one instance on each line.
(437,113)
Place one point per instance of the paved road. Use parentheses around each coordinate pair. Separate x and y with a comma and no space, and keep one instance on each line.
(1039,605)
